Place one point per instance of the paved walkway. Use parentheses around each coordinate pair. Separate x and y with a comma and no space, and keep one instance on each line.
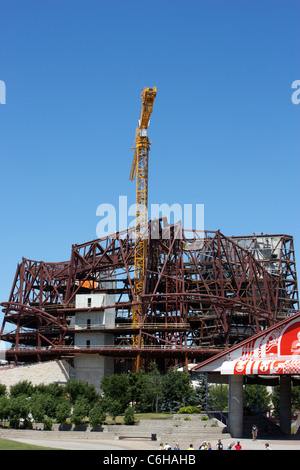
(139,444)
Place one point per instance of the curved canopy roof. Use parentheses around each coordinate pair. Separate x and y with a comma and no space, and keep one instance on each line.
(274,351)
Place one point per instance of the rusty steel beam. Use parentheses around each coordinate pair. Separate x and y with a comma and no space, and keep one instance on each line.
(219,286)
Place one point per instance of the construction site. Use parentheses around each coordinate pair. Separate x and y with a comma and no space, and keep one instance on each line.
(124,301)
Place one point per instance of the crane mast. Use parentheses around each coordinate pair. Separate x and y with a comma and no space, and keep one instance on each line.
(139,172)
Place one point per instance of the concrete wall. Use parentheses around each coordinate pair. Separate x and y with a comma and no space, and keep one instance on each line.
(102,316)
(92,367)
(43,372)
(93,318)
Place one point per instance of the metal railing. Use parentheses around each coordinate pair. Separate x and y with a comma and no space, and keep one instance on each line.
(113,346)
(218,414)
(102,326)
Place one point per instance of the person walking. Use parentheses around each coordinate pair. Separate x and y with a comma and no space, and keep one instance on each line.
(254,432)
(238,446)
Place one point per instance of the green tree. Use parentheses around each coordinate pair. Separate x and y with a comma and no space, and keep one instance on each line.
(143,389)
(113,407)
(177,388)
(79,388)
(39,388)
(257,396)
(129,417)
(54,390)
(136,383)
(48,423)
(218,396)
(153,388)
(3,390)
(37,407)
(42,405)
(117,388)
(200,392)
(295,399)
(4,407)
(24,387)
(97,414)
(80,411)
(63,410)
(19,410)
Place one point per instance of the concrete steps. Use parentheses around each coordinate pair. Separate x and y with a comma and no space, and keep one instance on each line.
(176,429)
(266,427)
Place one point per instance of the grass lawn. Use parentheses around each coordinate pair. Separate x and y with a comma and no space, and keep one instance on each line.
(154,415)
(139,416)
(7,444)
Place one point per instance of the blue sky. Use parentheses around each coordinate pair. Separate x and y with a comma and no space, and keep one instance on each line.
(224,130)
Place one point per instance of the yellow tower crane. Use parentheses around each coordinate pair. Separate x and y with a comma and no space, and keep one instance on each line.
(139,171)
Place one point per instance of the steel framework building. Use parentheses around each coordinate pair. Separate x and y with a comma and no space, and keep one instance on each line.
(203,291)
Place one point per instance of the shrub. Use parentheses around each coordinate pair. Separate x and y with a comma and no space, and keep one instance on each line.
(113,407)
(3,390)
(116,389)
(177,387)
(78,388)
(189,410)
(48,423)
(4,407)
(41,405)
(80,411)
(129,417)
(63,411)
(18,410)
(97,414)
(24,387)
(37,407)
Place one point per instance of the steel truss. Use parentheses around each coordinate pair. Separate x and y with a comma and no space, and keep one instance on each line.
(202,292)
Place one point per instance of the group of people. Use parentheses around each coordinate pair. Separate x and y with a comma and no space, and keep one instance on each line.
(219,446)
(203,446)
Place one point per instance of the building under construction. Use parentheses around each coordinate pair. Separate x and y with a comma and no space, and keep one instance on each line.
(202,292)
(127,300)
